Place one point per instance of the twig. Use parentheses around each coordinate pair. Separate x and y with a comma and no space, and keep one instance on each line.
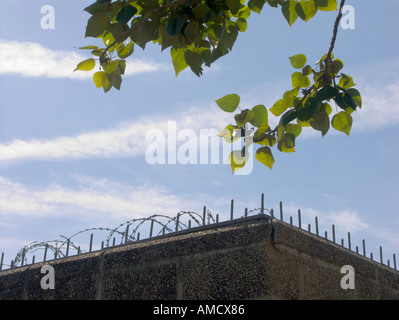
(337,20)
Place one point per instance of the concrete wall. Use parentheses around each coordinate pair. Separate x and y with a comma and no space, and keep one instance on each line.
(249,258)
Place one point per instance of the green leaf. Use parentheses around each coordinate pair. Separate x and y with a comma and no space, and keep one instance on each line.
(260,115)
(144,33)
(298,61)
(194,60)
(97,25)
(89,48)
(178,60)
(279,107)
(96,7)
(321,122)
(125,14)
(355,94)
(295,129)
(307,70)
(266,140)
(115,79)
(289,11)
(287,143)
(243,118)
(311,107)
(101,80)
(326,5)
(299,80)
(342,122)
(242,24)
(229,103)
(228,134)
(345,101)
(234,6)
(287,117)
(337,65)
(238,159)
(86,65)
(122,66)
(126,50)
(256,5)
(264,155)
(175,25)
(346,81)
(306,9)
(192,32)
(326,93)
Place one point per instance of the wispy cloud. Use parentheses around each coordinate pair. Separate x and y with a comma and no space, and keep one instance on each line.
(29,59)
(124,140)
(89,198)
(346,219)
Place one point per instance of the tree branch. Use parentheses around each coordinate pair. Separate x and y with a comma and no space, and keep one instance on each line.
(335,31)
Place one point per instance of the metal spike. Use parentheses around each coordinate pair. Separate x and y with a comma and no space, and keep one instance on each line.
(33,260)
(325,235)
(91,242)
(217,217)
(299,219)
(272,213)
(177,222)
(45,252)
(262,204)
(281,211)
(381,259)
(151,228)
(1,261)
(349,241)
(317,225)
(67,249)
(23,257)
(127,233)
(204,216)
(333,233)
(232,210)
(246,212)
(290,220)
(394,261)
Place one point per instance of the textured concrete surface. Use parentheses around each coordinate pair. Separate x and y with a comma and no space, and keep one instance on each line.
(252,258)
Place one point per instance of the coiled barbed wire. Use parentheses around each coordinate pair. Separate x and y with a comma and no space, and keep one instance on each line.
(126,232)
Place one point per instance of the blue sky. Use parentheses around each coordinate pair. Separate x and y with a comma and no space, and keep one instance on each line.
(72,157)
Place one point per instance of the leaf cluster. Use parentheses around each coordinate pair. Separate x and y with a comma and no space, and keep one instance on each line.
(196,32)
(306,104)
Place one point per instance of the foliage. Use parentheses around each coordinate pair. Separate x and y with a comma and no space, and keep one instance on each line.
(198,33)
